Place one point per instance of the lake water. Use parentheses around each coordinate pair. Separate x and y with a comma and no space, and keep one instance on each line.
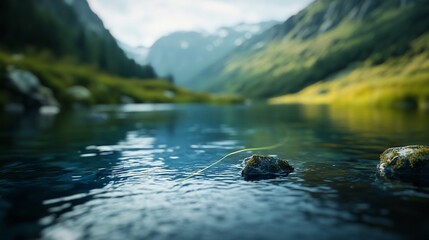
(113,173)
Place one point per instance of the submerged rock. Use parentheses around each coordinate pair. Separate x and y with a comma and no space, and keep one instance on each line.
(409,161)
(259,167)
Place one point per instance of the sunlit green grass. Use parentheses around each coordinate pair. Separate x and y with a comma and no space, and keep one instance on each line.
(104,88)
(402,81)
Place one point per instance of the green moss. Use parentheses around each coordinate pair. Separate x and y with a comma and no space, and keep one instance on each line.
(400,163)
(415,160)
(419,158)
(254,161)
(269,164)
(285,166)
(383,158)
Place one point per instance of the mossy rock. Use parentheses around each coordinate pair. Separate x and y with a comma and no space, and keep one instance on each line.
(405,162)
(259,167)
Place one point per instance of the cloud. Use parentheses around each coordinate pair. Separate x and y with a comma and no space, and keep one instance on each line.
(138,22)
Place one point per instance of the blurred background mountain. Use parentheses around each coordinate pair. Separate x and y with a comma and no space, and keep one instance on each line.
(360,50)
(333,51)
(184,54)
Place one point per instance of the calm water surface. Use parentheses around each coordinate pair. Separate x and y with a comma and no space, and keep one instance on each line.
(112,173)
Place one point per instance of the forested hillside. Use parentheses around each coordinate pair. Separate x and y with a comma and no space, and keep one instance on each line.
(64,31)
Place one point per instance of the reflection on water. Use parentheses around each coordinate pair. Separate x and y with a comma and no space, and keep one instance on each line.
(111,173)
(381,122)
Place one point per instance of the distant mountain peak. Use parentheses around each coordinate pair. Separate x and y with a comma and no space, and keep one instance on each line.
(185,53)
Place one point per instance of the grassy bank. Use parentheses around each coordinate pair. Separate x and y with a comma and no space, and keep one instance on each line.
(402,81)
(105,89)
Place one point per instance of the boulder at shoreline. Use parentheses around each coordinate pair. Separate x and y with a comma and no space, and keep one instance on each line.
(408,161)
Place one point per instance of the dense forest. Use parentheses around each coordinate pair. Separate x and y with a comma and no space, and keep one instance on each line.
(54,28)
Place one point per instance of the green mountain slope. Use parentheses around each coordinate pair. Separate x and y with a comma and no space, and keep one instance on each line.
(328,38)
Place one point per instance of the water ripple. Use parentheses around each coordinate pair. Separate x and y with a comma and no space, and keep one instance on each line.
(119,178)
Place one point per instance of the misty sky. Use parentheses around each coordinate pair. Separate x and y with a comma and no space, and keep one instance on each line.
(141,22)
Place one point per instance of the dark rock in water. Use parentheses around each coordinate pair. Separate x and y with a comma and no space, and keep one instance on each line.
(405,162)
(259,167)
